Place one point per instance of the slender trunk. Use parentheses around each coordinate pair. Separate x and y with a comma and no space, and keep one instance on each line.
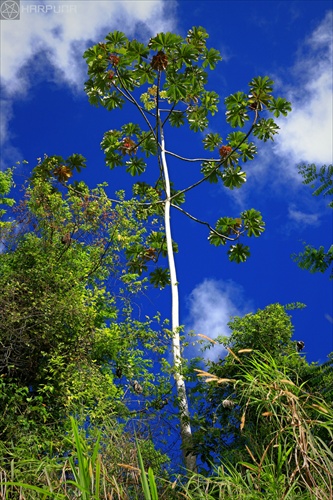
(185,427)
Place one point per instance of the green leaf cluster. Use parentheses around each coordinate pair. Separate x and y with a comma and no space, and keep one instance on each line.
(321,180)
(119,65)
(226,229)
(6,184)
(121,147)
(260,99)
(171,74)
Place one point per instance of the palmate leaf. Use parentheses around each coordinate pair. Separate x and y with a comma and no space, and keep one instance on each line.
(238,253)
(62,173)
(197,119)
(76,162)
(117,39)
(131,129)
(157,241)
(176,90)
(127,79)
(279,106)
(233,177)
(135,166)
(210,100)
(236,113)
(237,141)
(196,78)
(212,141)
(234,139)
(266,129)
(110,144)
(137,51)
(225,226)
(210,171)
(228,226)
(253,222)
(261,84)
(237,117)
(186,54)
(260,92)
(177,119)
(147,143)
(178,197)
(145,73)
(216,240)
(160,277)
(112,101)
(247,151)
(212,57)
(197,36)
(165,41)
(112,157)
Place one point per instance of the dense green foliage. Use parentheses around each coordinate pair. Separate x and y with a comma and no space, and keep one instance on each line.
(286,431)
(67,332)
(219,413)
(83,380)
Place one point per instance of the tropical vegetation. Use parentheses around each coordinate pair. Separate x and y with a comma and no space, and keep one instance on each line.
(88,394)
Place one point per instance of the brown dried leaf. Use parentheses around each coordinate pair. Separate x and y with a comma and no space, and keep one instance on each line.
(233,354)
(206,338)
(242,424)
(320,408)
(250,453)
(287,382)
(125,466)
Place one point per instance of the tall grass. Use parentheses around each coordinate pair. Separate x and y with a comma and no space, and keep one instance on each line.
(294,461)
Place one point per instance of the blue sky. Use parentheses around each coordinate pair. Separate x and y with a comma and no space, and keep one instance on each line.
(45,110)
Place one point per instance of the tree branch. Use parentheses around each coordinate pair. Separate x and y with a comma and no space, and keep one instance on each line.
(192,159)
(206,224)
(185,190)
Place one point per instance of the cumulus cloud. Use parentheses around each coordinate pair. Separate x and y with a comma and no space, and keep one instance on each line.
(63,29)
(306,134)
(211,305)
(49,39)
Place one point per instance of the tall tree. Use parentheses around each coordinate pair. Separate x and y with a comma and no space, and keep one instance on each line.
(165,82)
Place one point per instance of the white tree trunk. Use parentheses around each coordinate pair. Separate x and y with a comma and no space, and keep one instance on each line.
(185,428)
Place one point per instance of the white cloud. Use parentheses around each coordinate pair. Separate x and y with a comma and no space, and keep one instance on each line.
(211,305)
(58,32)
(306,134)
(302,218)
(6,111)
(63,29)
